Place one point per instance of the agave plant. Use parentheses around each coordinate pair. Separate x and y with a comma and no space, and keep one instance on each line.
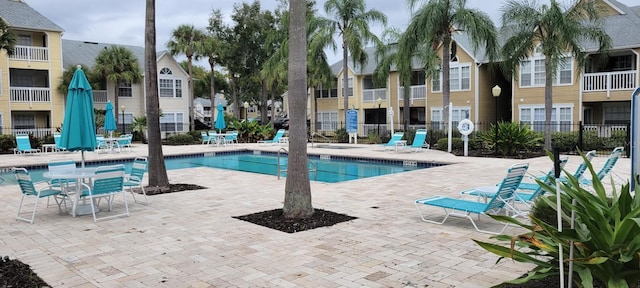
(605,238)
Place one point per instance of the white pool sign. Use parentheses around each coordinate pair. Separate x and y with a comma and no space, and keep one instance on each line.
(635,138)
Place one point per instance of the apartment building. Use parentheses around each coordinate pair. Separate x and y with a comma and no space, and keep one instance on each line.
(598,94)
(29,100)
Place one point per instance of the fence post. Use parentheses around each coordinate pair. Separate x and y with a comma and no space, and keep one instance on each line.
(580,135)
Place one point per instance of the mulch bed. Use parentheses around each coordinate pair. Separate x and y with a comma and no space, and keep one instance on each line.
(274,219)
(14,273)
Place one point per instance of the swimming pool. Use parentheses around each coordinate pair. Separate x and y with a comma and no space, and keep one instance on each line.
(325,168)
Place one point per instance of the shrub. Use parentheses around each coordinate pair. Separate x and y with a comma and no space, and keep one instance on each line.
(7,143)
(565,141)
(196,134)
(373,138)
(180,139)
(456,144)
(342,136)
(512,138)
(606,246)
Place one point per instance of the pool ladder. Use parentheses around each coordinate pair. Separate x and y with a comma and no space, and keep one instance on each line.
(313,169)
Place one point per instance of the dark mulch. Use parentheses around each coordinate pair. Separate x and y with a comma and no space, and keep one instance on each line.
(14,273)
(177,187)
(274,219)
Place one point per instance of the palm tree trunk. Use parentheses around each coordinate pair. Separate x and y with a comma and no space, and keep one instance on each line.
(157,169)
(548,104)
(446,85)
(213,91)
(191,115)
(345,79)
(297,199)
(406,105)
(116,108)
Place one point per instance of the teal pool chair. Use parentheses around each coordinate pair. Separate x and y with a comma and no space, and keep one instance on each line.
(23,145)
(392,144)
(107,183)
(205,138)
(607,168)
(56,140)
(28,188)
(62,165)
(500,202)
(134,179)
(418,141)
(276,139)
(124,141)
(532,186)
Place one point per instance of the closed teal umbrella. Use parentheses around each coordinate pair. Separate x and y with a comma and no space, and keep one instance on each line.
(220,119)
(109,119)
(79,126)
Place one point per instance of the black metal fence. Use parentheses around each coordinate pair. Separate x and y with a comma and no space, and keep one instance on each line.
(570,137)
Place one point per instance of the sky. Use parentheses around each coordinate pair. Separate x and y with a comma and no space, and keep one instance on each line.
(122,21)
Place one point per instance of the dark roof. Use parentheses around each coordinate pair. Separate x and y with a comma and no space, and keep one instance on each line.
(85,53)
(20,15)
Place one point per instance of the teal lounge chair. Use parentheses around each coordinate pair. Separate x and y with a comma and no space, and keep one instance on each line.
(24,145)
(418,141)
(56,140)
(392,144)
(500,201)
(276,139)
(607,167)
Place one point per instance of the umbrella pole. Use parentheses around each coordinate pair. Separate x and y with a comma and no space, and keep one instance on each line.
(556,168)
(82,153)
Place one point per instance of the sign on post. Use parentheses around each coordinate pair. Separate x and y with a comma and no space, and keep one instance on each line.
(635,138)
(352,121)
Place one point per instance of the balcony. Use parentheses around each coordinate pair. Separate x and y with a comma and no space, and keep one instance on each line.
(610,81)
(100,96)
(30,94)
(370,95)
(30,53)
(418,92)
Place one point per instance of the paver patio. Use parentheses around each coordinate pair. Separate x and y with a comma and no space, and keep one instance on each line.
(189,239)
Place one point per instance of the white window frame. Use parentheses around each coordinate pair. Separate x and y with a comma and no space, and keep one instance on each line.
(172,118)
(454,70)
(28,120)
(327,120)
(175,86)
(534,116)
(124,86)
(1,123)
(533,75)
(436,116)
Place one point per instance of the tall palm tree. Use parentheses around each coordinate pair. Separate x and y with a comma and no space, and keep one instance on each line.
(388,56)
(558,31)
(351,20)
(157,169)
(186,40)
(433,25)
(297,199)
(212,47)
(117,64)
(8,39)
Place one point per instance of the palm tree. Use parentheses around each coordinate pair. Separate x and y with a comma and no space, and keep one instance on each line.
(297,199)
(558,32)
(185,40)
(117,64)
(388,56)
(351,21)
(211,47)
(7,38)
(157,169)
(433,25)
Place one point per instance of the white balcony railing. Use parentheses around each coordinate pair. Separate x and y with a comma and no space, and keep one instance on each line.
(370,95)
(30,53)
(418,92)
(610,81)
(100,96)
(30,94)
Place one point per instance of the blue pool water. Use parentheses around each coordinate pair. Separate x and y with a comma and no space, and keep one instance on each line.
(332,170)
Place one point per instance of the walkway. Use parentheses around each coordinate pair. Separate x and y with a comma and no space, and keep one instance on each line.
(190,239)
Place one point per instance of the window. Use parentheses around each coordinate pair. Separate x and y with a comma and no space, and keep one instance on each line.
(349,86)
(168,86)
(24,40)
(534,116)
(24,121)
(1,123)
(322,92)
(125,90)
(532,72)
(457,114)
(459,78)
(172,122)
(616,113)
(327,121)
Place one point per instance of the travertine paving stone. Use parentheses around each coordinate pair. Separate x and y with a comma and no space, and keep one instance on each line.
(190,239)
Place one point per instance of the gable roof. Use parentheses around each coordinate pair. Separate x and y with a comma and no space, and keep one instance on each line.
(622,28)
(84,53)
(20,15)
